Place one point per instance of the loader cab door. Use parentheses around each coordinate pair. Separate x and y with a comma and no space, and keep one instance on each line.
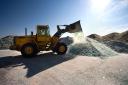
(43,34)
(43,30)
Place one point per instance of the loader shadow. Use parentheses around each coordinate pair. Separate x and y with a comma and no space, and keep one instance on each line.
(34,65)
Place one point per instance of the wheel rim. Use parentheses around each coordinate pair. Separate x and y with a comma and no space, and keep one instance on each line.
(28,50)
(62,48)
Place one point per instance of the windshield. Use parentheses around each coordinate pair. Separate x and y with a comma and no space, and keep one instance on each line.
(43,30)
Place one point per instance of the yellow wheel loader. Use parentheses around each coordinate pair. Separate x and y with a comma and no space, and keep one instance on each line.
(30,45)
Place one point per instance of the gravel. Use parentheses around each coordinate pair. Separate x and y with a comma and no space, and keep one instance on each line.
(91,48)
(51,69)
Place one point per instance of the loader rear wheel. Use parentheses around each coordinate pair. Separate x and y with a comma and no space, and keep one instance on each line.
(28,50)
(61,48)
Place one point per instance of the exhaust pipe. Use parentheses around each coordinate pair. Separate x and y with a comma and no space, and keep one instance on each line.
(25,31)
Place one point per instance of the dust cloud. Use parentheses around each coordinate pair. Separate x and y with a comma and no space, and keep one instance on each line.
(88,47)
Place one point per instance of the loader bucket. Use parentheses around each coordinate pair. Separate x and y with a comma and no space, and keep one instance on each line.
(74,27)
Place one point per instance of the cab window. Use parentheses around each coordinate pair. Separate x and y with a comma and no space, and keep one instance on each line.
(43,30)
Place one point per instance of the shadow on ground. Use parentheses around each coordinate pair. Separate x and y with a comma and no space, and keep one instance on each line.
(34,65)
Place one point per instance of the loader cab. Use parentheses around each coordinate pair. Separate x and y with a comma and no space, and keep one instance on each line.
(43,30)
(43,36)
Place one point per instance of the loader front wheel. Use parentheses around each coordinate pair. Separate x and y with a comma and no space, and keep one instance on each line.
(28,50)
(61,48)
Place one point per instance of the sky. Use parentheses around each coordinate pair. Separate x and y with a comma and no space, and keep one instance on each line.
(97,16)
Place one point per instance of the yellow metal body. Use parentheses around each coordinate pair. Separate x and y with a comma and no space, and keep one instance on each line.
(43,42)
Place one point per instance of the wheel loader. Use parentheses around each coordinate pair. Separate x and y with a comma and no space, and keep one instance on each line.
(30,45)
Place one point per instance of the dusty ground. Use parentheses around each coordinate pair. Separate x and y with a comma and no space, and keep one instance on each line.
(51,69)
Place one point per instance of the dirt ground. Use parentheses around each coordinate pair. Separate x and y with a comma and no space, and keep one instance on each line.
(51,69)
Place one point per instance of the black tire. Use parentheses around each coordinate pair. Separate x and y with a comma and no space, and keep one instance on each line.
(58,47)
(29,54)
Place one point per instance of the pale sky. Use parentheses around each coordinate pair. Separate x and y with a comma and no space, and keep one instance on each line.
(97,16)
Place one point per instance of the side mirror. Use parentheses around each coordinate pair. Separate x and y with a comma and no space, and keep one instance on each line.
(31,33)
